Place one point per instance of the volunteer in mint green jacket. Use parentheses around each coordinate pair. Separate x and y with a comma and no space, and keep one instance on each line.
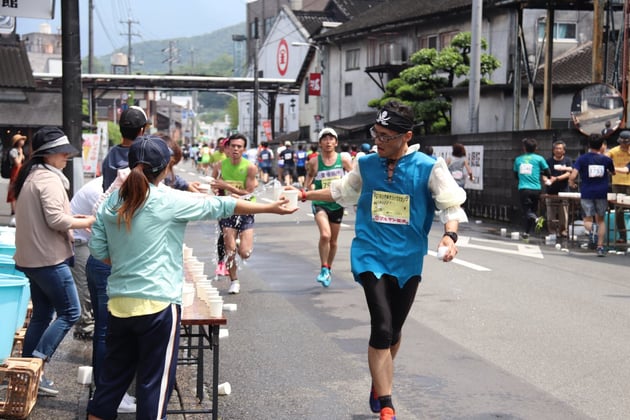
(139,230)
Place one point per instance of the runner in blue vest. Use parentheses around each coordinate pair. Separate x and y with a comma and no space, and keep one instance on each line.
(397,192)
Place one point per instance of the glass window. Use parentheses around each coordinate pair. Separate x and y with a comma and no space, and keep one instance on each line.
(348,89)
(561,31)
(352,59)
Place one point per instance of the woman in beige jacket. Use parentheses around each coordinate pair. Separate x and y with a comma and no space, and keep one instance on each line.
(43,245)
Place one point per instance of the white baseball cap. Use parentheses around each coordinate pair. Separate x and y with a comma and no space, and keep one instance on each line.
(326,131)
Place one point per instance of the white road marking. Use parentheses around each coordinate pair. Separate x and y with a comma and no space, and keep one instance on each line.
(463,263)
(502,247)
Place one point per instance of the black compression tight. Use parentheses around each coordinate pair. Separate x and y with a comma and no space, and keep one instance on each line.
(389,306)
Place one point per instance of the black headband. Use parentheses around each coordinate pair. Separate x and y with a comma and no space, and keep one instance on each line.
(393,121)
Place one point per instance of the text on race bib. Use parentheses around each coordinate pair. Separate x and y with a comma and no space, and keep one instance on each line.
(390,208)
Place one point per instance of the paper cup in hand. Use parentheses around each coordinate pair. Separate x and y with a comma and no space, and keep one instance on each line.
(292,195)
(204,188)
(225,388)
(441,252)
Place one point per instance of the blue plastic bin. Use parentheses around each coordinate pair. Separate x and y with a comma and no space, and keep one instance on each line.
(24,299)
(7,266)
(610,225)
(6,249)
(11,295)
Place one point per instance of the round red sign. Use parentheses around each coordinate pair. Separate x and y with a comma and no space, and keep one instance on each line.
(283,57)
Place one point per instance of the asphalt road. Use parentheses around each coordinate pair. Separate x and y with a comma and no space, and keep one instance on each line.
(508,330)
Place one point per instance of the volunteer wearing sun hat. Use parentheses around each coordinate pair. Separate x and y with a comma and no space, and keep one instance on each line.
(16,156)
(621,181)
(328,166)
(139,230)
(43,244)
(397,192)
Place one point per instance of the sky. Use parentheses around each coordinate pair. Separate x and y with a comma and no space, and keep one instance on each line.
(156,19)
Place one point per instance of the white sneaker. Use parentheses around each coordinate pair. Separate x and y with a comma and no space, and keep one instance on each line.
(235,288)
(127,404)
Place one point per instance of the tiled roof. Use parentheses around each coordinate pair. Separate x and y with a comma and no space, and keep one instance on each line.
(353,8)
(15,69)
(396,12)
(575,66)
(311,21)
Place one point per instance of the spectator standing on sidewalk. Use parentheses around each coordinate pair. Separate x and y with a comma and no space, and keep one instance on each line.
(593,168)
(528,170)
(236,176)
(16,155)
(133,123)
(142,222)
(83,203)
(560,166)
(458,165)
(397,192)
(43,245)
(320,172)
(620,155)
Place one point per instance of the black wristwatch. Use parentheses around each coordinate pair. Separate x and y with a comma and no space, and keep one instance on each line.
(452,235)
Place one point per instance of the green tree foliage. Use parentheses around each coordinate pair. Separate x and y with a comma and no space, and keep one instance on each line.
(233,113)
(422,85)
(113,131)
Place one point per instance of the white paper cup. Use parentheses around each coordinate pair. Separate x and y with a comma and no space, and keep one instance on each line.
(229,307)
(441,252)
(225,388)
(84,375)
(277,190)
(188,252)
(188,294)
(216,308)
(503,232)
(203,188)
(292,195)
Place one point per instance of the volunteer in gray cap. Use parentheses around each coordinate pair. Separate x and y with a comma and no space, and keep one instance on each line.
(620,155)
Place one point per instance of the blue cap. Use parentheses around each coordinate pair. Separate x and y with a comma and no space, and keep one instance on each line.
(151,151)
(365,147)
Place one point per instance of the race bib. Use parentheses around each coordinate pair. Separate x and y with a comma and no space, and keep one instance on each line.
(457,175)
(390,208)
(525,169)
(326,181)
(596,171)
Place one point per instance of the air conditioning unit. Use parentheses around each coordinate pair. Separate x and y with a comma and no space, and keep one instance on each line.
(7,25)
(390,53)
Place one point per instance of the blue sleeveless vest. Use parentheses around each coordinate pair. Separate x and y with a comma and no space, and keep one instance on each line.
(393,242)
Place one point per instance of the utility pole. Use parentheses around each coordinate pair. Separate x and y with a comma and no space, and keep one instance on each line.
(474,85)
(71,81)
(129,34)
(255,119)
(91,100)
(172,52)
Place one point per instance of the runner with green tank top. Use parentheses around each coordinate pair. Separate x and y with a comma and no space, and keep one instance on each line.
(236,176)
(321,170)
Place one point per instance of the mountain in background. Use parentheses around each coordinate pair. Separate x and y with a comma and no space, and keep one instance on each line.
(209,54)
